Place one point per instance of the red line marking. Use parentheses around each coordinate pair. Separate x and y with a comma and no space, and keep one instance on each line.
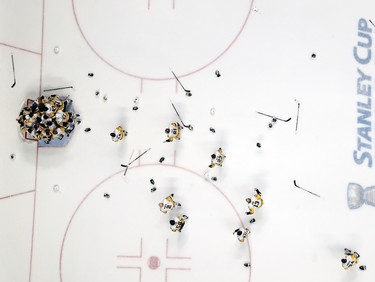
(140,252)
(148,4)
(141,90)
(18,194)
(167,269)
(41,53)
(19,48)
(34,205)
(176,87)
(173,4)
(174,157)
(37,147)
(168,257)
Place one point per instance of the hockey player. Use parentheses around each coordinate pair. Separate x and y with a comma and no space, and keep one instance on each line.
(254,202)
(217,158)
(168,204)
(241,233)
(350,259)
(178,223)
(118,134)
(173,132)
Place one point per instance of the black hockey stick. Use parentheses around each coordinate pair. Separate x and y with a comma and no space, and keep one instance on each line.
(127,166)
(187,92)
(273,117)
(14,73)
(371,23)
(60,88)
(134,160)
(295,184)
(187,126)
(297,114)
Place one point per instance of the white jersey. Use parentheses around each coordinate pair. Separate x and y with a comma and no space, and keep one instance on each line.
(219,158)
(174,132)
(167,205)
(255,202)
(179,223)
(242,234)
(119,134)
(350,261)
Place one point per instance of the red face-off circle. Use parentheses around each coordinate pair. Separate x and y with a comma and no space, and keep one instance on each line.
(144,39)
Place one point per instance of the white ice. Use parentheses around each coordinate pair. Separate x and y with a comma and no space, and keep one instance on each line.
(56,224)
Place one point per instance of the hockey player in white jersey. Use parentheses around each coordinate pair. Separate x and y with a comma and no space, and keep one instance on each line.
(255,202)
(178,223)
(241,233)
(217,158)
(173,132)
(118,134)
(168,204)
(351,259)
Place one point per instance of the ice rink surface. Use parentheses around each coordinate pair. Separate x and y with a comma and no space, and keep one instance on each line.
(264,52)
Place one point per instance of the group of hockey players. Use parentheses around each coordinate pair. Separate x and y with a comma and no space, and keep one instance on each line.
(178,222)
(174,133)
(48,118)
(253,203)
(217,159)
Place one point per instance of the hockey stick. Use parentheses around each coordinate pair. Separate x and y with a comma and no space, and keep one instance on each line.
(295,184)
(297,114)
(284,120)
(139,156)
(134,160)
(126,169)
(371,23)
(187,126)
(14,73)
(60,88)
(188,93)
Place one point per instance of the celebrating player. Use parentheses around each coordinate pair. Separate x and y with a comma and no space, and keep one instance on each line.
(255,202)
(168,204)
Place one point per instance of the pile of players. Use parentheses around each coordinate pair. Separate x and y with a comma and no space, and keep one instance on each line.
(48,118)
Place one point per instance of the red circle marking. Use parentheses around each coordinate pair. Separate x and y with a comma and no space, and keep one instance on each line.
(135,167)
(161,78)
(153,262)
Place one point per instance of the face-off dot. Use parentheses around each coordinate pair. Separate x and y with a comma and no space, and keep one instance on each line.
(153,262)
